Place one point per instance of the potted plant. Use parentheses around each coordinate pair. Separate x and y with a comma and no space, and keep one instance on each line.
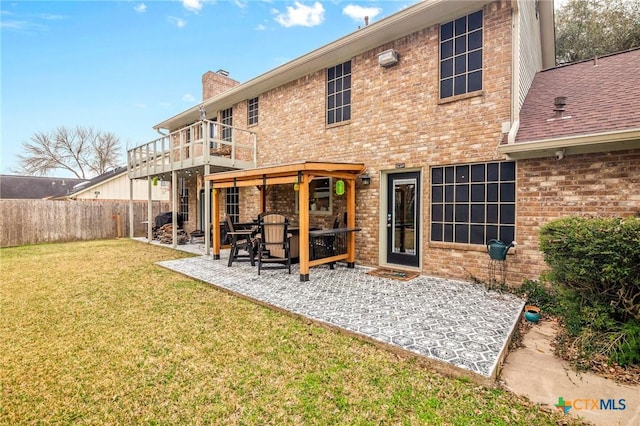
(532,313)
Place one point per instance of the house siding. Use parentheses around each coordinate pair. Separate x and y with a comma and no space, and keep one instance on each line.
(530,49)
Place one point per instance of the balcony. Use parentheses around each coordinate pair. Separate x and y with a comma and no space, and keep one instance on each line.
(205,142)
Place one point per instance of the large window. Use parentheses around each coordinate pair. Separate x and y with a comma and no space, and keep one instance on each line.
(339,93)
(233,204)
(252,111)
(227,119)
(473,203)
(461,55)
(183,191)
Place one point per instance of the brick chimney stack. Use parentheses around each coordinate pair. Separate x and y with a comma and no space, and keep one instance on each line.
(214,83)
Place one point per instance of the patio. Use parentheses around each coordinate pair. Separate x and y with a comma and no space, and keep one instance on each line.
(458,327)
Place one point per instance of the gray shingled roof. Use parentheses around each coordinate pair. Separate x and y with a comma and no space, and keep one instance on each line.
(602,96)
(35,187)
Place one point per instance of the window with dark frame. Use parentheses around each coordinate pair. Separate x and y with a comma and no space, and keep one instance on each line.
(339,93)
(227,121)
(461,55)
(473,203)
(252,111)
(233,204)
(183,191)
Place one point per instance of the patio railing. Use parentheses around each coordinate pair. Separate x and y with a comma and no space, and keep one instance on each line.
(204,142)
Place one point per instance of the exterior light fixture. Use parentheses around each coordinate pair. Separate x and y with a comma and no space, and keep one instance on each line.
(365,179)
(388,58)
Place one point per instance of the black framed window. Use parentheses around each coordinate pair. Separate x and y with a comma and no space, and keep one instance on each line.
(339,93)
(252,111)
(473,203)
(233,204)
(227,121)
(183,191)
(461,55)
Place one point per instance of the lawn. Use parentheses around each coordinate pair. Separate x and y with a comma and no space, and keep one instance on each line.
(95,332)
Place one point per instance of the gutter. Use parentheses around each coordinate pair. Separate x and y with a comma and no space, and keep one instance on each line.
(576,144)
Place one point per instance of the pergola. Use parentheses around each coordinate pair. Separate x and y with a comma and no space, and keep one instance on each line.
(301,173)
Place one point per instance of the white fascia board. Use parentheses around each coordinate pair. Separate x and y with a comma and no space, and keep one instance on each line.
(580,144)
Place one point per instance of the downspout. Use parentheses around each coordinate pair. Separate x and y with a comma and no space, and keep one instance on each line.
(515,73)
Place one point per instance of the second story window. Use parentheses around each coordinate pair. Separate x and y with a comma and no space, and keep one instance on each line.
(461,55)
(339,93)
(227,121)
(252,111)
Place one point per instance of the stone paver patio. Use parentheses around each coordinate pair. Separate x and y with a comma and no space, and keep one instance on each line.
(454,322)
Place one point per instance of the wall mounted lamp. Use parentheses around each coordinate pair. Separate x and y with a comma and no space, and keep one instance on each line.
(365,179)
(388,58)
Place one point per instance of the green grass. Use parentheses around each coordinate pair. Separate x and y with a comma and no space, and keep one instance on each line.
(96,333)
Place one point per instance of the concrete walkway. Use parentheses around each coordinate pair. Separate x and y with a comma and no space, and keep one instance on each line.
(535,372)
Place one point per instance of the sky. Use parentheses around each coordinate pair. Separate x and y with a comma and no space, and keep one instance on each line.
(124,66)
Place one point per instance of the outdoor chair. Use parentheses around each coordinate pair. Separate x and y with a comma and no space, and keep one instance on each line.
(274,243)
(241,238)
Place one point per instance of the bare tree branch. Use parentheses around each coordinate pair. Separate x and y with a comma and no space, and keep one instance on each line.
(82,151)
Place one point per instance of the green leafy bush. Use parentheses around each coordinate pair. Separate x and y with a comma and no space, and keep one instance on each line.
(599,258)
(595,276)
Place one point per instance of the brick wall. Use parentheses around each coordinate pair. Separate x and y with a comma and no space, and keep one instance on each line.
(386,128)
(397,118)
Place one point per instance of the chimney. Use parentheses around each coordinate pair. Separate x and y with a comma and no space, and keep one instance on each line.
(559,103)
(366,21)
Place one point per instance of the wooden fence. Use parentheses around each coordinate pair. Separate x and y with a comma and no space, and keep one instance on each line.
(45,221)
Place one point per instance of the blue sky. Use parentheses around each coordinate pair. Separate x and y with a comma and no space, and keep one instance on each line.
(124,66)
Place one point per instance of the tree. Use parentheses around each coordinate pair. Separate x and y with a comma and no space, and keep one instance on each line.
(590,28)
(83,151)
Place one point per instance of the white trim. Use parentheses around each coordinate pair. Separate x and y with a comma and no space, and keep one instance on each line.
(576,144)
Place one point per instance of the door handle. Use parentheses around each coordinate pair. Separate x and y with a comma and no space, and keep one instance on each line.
(388,220)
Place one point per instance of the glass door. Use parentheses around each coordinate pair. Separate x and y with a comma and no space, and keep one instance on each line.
(403,219)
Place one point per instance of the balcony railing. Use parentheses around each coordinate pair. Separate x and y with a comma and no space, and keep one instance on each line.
(202,143)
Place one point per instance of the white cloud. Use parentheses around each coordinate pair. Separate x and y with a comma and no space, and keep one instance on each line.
(178,22)
(301,15)
(357,13)
(261,27)
(140,105)
(140,8)
(188,97)
(192,5)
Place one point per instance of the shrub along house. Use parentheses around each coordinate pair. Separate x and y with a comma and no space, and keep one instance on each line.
(424,105)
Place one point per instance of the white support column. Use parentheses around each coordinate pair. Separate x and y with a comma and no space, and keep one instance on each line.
(149,212)
(130,208)
(174,208)
(207,210)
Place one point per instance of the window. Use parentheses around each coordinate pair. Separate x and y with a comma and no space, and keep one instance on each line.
(461,55)
(233,204)
(320,196)
(473,203)
(339,93)
(252,111)
(183,191)
(227,121)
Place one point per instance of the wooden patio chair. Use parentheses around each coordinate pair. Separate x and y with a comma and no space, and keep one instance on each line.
(274,243)
(241,237)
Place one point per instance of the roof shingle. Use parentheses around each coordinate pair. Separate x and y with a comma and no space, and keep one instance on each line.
(602,96)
